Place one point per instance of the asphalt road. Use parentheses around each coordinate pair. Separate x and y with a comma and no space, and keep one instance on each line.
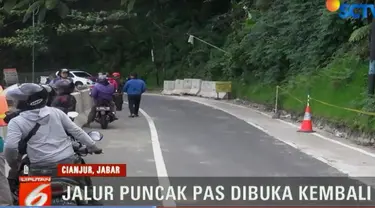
(196,140)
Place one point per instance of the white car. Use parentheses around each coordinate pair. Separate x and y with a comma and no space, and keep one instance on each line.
(80,78)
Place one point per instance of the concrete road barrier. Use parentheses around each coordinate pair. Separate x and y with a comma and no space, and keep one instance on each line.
(212,87)
(83,106)
(87,100)
(84,101)
(165,87)
(178,87)
(206,90)
(79,105)
(198,87)
(209,89)
(187,86)
(195,87)
(168,87)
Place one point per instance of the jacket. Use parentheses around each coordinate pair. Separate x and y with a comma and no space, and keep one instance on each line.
(135,87)
(103,91)
(50,144)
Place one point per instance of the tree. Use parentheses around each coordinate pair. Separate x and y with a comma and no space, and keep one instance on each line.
(39,6)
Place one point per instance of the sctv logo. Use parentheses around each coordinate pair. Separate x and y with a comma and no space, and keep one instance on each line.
(355,11)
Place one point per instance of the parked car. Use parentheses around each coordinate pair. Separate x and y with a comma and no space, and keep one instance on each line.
(81,78)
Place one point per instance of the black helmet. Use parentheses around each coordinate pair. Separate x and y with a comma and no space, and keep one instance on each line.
(28,96)
(51,93)
(64,86)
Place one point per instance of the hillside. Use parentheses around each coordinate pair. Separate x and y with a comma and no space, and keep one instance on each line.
(297,45)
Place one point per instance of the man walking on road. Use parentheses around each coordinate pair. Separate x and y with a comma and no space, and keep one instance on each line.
(134,87)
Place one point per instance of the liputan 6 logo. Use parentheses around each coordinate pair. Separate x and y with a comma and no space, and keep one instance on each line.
(35,191)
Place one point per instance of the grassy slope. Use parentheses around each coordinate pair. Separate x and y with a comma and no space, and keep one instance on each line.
(341,83)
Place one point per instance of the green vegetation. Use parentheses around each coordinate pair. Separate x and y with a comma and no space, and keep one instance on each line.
(296,44)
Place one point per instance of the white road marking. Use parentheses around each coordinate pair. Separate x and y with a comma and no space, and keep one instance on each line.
(161,168)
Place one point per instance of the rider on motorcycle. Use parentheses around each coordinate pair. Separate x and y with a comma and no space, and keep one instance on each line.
(102,92)
(64,100)
(62,74)
(118,97)
(50,145)
(117,78)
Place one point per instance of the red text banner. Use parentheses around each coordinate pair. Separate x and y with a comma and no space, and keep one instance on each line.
(92,170)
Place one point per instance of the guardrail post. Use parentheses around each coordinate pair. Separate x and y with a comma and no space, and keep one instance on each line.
(308,100)
(276,114)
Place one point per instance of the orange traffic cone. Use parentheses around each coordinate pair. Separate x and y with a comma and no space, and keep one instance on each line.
(306,125)
(3,107)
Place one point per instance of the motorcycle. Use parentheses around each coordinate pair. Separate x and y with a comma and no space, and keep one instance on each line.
(104,116)
(59,185)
